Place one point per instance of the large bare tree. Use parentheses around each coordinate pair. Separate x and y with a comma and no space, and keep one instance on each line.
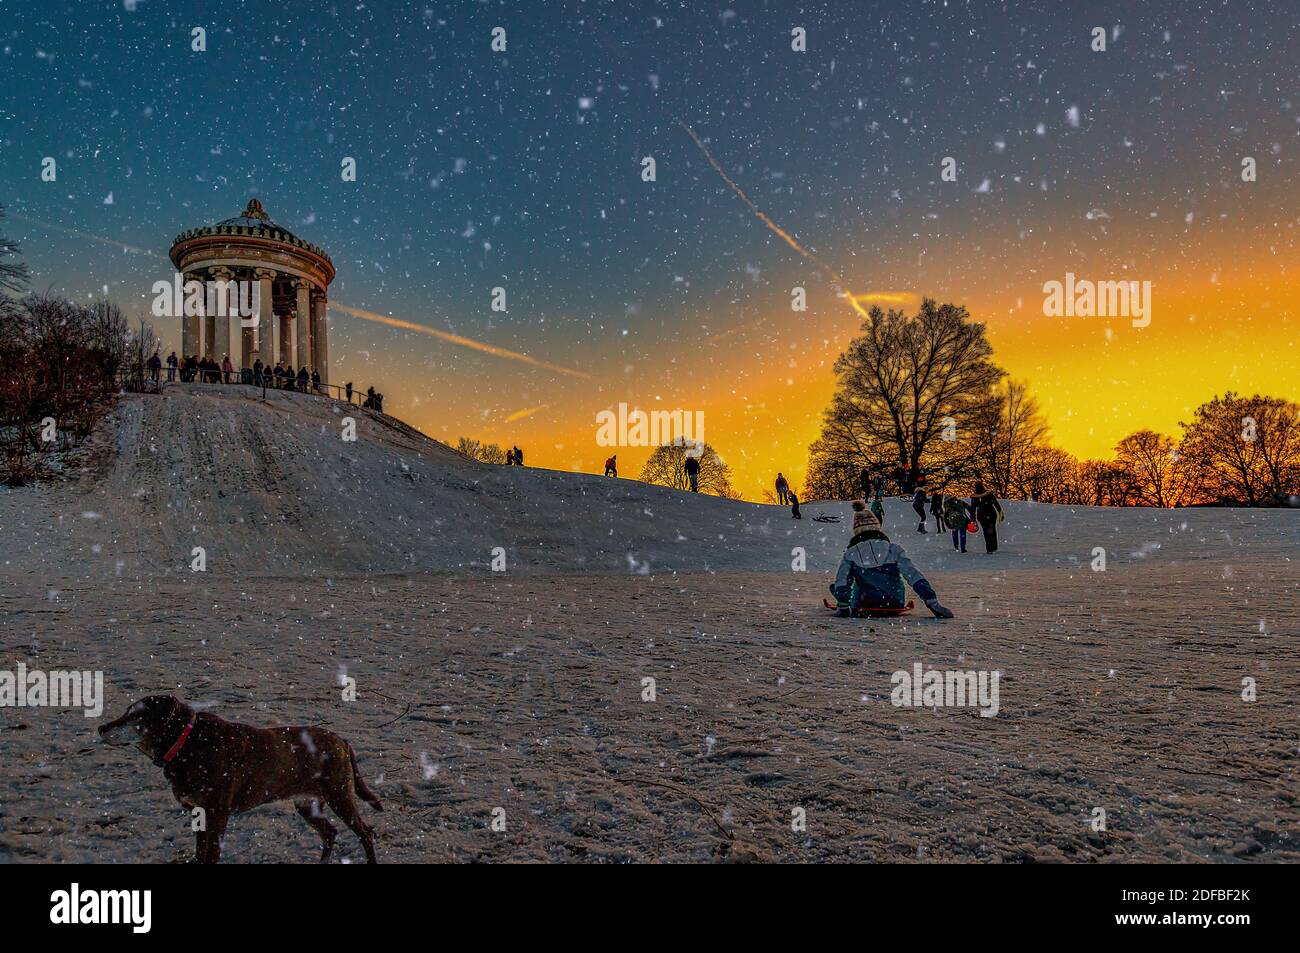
(903,386)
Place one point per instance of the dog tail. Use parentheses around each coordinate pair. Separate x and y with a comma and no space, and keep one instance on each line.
(359,783)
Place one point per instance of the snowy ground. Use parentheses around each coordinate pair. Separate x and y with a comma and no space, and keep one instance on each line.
(522,690)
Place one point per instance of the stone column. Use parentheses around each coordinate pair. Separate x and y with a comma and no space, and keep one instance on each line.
(266,319)
(320,338)
(221,328)
(247,333)
(303,287)
(286,339)
(191,324)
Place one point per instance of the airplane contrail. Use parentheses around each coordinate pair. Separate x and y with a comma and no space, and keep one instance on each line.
(457,339)
(854,300)
(76,234)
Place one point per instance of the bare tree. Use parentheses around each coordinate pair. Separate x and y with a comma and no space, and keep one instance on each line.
(902,384)
(110,338)
(13,274)
(482,452)
(1104,483)
(831,477)
(1006,433)
(1153,464)
(666,467)
(140,345)
(1051,475)
(58,360)
(1243,450)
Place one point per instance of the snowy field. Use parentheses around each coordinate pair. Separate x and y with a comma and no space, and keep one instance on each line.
(523,690)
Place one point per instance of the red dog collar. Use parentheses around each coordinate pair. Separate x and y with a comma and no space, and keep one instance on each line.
(175,749)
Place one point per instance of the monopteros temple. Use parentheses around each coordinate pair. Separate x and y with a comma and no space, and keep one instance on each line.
(293,275)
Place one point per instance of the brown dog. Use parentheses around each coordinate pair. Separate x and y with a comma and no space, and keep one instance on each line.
(227,768)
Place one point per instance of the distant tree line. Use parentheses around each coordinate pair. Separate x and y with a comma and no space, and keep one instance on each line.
(921,393)
(60,364)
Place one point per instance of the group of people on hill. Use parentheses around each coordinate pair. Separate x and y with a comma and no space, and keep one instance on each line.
(194,368)
(953,514)
(280,375)
(514,457)
(155,366)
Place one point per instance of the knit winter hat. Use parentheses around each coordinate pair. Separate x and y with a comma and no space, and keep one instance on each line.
(863,518)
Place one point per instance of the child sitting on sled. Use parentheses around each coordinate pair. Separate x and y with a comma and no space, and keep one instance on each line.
(873,569)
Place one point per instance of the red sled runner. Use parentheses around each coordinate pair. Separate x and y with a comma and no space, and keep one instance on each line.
(871,611)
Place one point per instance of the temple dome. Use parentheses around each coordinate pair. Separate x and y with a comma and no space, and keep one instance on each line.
(255,217)
(253,222)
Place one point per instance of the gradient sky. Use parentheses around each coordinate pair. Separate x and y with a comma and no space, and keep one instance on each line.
(522,170)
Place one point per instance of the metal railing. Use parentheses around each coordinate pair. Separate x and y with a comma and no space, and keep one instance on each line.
(154,382)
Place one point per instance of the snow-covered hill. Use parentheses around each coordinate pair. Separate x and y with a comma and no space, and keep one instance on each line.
(271,487)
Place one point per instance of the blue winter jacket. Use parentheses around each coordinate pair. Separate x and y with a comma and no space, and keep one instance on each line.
(877,567)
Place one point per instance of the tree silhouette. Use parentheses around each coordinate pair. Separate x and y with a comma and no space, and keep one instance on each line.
(666,467)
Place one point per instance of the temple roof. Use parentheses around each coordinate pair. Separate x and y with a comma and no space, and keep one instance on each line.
(253,222)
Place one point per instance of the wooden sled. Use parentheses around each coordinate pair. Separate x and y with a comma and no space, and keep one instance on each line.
(871,612)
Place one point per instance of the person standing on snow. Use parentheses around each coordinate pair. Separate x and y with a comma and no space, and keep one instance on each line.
(878,507)
(988,513)
(872,571)
(936,510)
(957,517)
(782,489)
(918,505)
(692,467)
(794,505)
(611,466)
